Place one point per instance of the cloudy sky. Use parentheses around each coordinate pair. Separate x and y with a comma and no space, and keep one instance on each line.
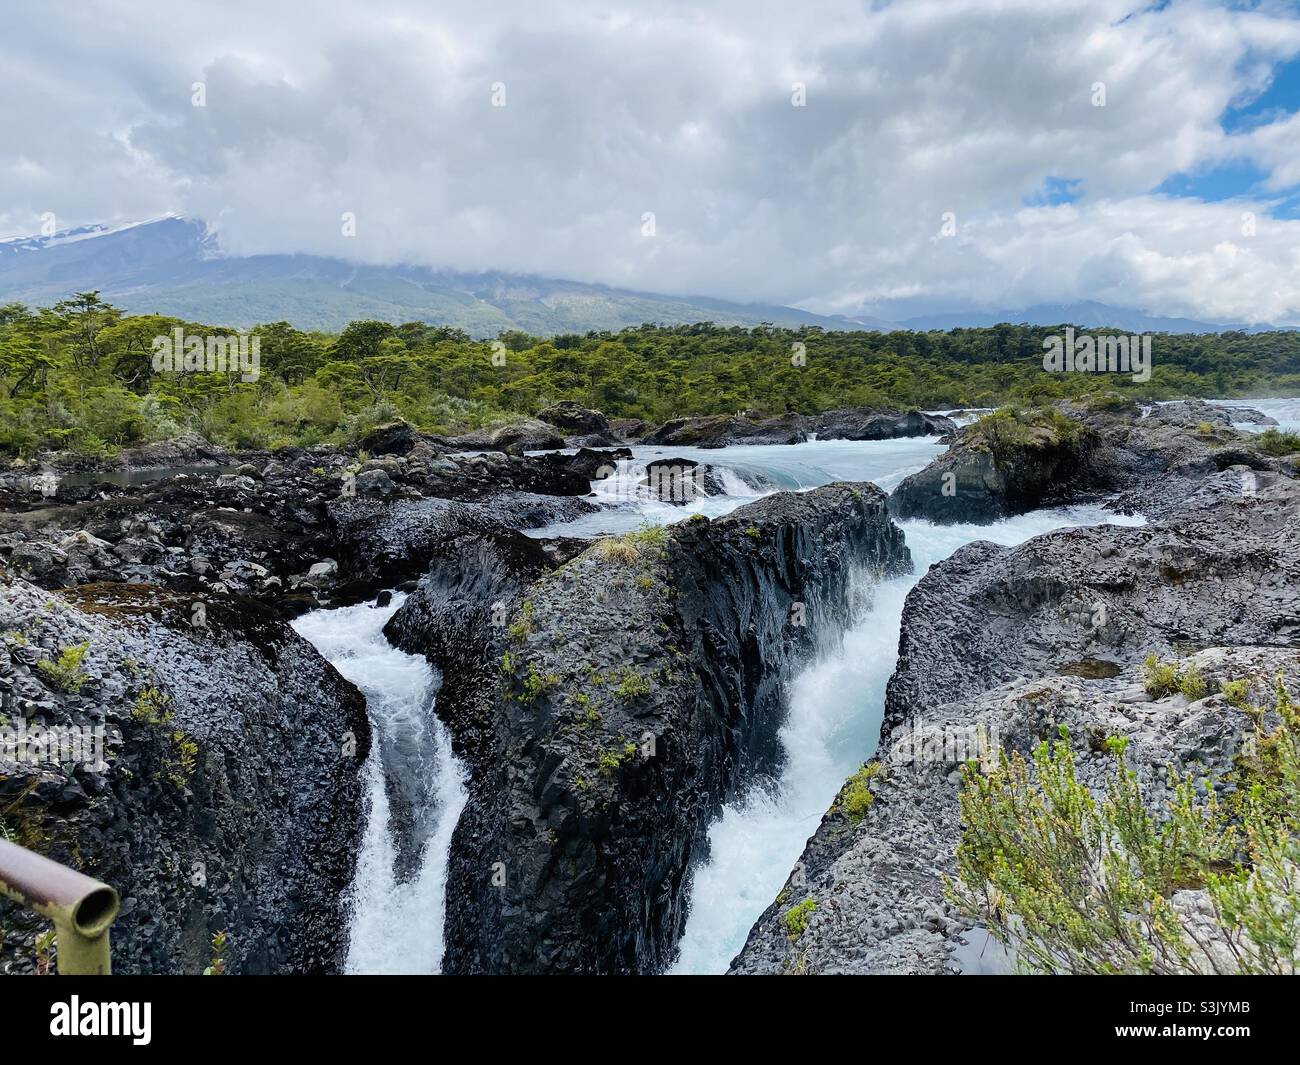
(948,154)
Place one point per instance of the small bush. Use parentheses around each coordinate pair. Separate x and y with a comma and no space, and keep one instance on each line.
(857,798)
(796,918)
(536,682)
(630,547)
(1080,883)
(1164,678)
(152,707)
(1237,693)
(1192,684)
(634,686)
(67,673)
(1276,442)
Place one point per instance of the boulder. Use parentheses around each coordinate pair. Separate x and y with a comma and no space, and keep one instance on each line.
(1002,465)
(575,419)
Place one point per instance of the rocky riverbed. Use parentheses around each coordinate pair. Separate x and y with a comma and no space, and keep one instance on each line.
(1004,646)
(608,699)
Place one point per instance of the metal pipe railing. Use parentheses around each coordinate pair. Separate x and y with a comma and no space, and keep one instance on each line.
(82,909)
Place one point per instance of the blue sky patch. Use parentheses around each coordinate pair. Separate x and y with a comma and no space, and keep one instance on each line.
(1055,191)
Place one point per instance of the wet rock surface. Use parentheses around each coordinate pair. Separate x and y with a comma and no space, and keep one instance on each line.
(227,792)
(1019,641)
(609,707)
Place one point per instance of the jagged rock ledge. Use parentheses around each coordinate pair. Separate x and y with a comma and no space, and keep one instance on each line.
(609,706)
(1019,641)
(1010,463)
(228,797)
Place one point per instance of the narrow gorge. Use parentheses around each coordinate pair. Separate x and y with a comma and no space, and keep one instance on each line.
(507,705)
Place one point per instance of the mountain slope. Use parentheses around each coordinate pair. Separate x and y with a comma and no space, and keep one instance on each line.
(170,266)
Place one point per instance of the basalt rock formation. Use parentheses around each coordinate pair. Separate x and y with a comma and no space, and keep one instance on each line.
(608,707)
(997,467)
(258,524)
(224,792)
(1017,642)
(870,888)
(1008,464)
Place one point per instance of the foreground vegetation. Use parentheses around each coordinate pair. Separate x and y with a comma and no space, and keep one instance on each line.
(1073,883)
(80,375)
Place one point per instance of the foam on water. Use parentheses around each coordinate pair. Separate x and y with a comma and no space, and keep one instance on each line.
(836,709)
(833,723)
(627,504)
(1285,411)
(396,923)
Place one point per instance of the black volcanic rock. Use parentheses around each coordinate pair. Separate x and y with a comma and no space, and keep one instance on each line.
(1019,642)
(620,700)
(845,423)
(229,795)
(395,438)
(997,467)
(575,419)
(863,423)
(1012,463)
(516,437)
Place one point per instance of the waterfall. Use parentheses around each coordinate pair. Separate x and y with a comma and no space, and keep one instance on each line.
(397,904)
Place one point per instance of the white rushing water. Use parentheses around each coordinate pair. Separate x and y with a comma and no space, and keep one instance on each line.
(836,707)
(1286,412)
(833,724)
(747,472)
(837,703)
(396,920)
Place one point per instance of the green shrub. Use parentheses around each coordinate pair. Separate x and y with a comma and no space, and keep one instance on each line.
(67,673)
(536,682)
(634,686)
(1237,693)
(1192,684)
(1276,442)
(631,547)
(1073,883)
(796,918)
(1164,678)
(856,797)
(152,707)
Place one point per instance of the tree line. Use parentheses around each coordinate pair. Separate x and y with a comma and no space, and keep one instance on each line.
(81,375)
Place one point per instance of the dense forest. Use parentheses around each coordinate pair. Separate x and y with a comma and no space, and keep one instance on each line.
(81,375)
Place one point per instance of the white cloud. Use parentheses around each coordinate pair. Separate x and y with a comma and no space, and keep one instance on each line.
(913,109)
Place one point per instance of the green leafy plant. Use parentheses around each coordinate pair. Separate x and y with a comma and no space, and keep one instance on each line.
(536,682)
(152,706)
(44,946)
(1278,442)
(856,797)
(217,966)
(1078,883)
(633,686)
(66,674)
(797,917)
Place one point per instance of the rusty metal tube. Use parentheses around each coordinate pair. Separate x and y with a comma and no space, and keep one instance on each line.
(82,909)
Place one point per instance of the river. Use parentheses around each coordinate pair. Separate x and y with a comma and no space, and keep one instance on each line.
(836,708)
